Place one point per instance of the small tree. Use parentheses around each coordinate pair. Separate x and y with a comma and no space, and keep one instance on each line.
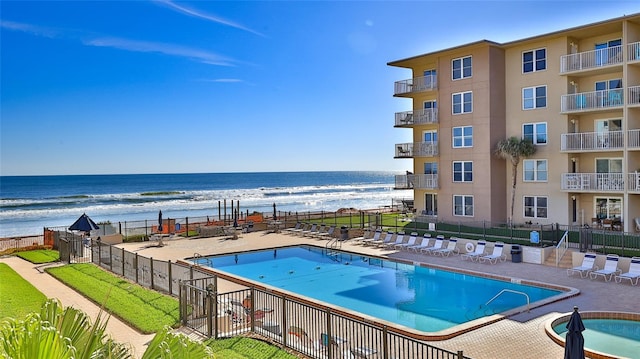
(514,149)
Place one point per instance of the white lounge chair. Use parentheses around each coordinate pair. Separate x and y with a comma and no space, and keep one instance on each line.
(305,228)
(436,246)
(633,273)
(610,268)
(399,240)
(479,252)
(370,241)
(424,243)
(588,265)
(311,232)
(496,256)
(298,228)
(451,248)
(368,233)
(411,242)
(391,235)
(328,234)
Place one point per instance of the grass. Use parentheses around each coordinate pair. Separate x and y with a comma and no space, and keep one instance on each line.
(40,256)
(243,347)
(146,310)
(17,305)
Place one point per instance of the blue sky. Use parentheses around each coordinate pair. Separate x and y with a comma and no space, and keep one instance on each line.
(214,86)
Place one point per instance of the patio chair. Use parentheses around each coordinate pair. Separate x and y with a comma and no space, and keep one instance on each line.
(292,230)
(610,268)
(399,240)
(437,245)
(376,237)
(368,233)
(315,229)
(452,247)
(411,242)
(479,252)
(632,274)
(328,234)
(424,243)
(496,256)
(312,229)
(637,222)
(391,235)
(301,338)
(588,265)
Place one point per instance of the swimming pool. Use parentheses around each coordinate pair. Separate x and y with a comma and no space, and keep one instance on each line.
(424,298)
(606,335)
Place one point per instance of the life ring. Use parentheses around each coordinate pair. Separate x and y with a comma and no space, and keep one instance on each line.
(469,247)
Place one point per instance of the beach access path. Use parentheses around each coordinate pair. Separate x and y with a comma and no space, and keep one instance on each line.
(520,336)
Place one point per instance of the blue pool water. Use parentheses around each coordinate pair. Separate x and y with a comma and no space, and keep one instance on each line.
(612,336)
(425,299)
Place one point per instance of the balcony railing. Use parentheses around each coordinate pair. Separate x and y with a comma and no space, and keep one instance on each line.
(417,84)
(633,51)
(417,149)
(420,117)
(591,59)
(593,182)
(419,181)
(633,181)
(634,139)
(592,141)
(633,95)
(591,101)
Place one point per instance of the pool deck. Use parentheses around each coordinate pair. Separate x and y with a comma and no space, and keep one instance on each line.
(520,336)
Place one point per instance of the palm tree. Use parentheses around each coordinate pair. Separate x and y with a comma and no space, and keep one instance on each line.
(68,333)
(514,149)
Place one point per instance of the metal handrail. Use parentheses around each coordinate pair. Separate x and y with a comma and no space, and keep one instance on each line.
(511,291)
(562,247)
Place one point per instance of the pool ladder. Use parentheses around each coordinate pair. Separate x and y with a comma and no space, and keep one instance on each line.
(331,248)
(510,291)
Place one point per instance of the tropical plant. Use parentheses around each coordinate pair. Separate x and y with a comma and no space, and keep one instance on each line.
(58,332)
(514,149)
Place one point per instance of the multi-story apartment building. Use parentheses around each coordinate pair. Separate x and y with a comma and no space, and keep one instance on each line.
(574,93)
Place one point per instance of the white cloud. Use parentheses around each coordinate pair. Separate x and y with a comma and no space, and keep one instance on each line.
(28,28)
(207,17)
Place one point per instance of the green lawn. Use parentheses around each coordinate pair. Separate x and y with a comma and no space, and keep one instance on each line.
(144,309)
(39,256)
(242,347)
(17,296)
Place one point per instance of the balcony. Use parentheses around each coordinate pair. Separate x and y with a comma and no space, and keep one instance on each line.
(421,117)
(417,149)
(415,85)
(592,141)
(633,142)
(633,96)
(592,182)
(419,181)
(592,101)
(591,60)
(633,51)
(633,182)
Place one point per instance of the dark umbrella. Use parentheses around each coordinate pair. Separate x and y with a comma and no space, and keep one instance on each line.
(574,342)
(84,224)
(274,211)
(160,221)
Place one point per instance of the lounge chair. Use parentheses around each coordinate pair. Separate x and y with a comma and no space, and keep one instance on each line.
(479,252)
(368,233)
(633,273)
(376,237)
(451,248)
(610,268)
(637,222)
(436,246)
(391,235)
(301,338)
(426,238)
(411,242)
(496,256)
(328,234)
(312,229)
(292,230)
(399,240)
(588,265)
(304,227)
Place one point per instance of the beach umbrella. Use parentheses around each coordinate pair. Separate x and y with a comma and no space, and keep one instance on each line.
(84,224)
(160,221)
(274,211)
(574,342)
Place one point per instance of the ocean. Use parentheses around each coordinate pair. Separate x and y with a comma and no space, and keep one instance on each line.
(30,203)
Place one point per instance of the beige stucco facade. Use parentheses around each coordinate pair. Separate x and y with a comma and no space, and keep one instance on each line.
(575,92)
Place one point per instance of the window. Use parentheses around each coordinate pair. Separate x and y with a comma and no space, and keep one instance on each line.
(462,205)
(462,171)
(608,207)
(534,97)
(608,52)
(430,79)
(535,170)
(431,204)
(430,136)
(534,60)
(535,132)
(431,168)
(608,165)
(535,207)
(462,137)
(462,102)
(461,68)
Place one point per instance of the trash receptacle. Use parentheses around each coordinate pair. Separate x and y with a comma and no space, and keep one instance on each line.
(516,253)
(344,233)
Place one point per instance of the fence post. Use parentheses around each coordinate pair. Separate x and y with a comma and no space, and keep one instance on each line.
(460,355)
(385,342)
(122,257)
(284,320)
(111,258)
(329,334)
(209,301)
(135,266)
(186,224)
(151,271)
